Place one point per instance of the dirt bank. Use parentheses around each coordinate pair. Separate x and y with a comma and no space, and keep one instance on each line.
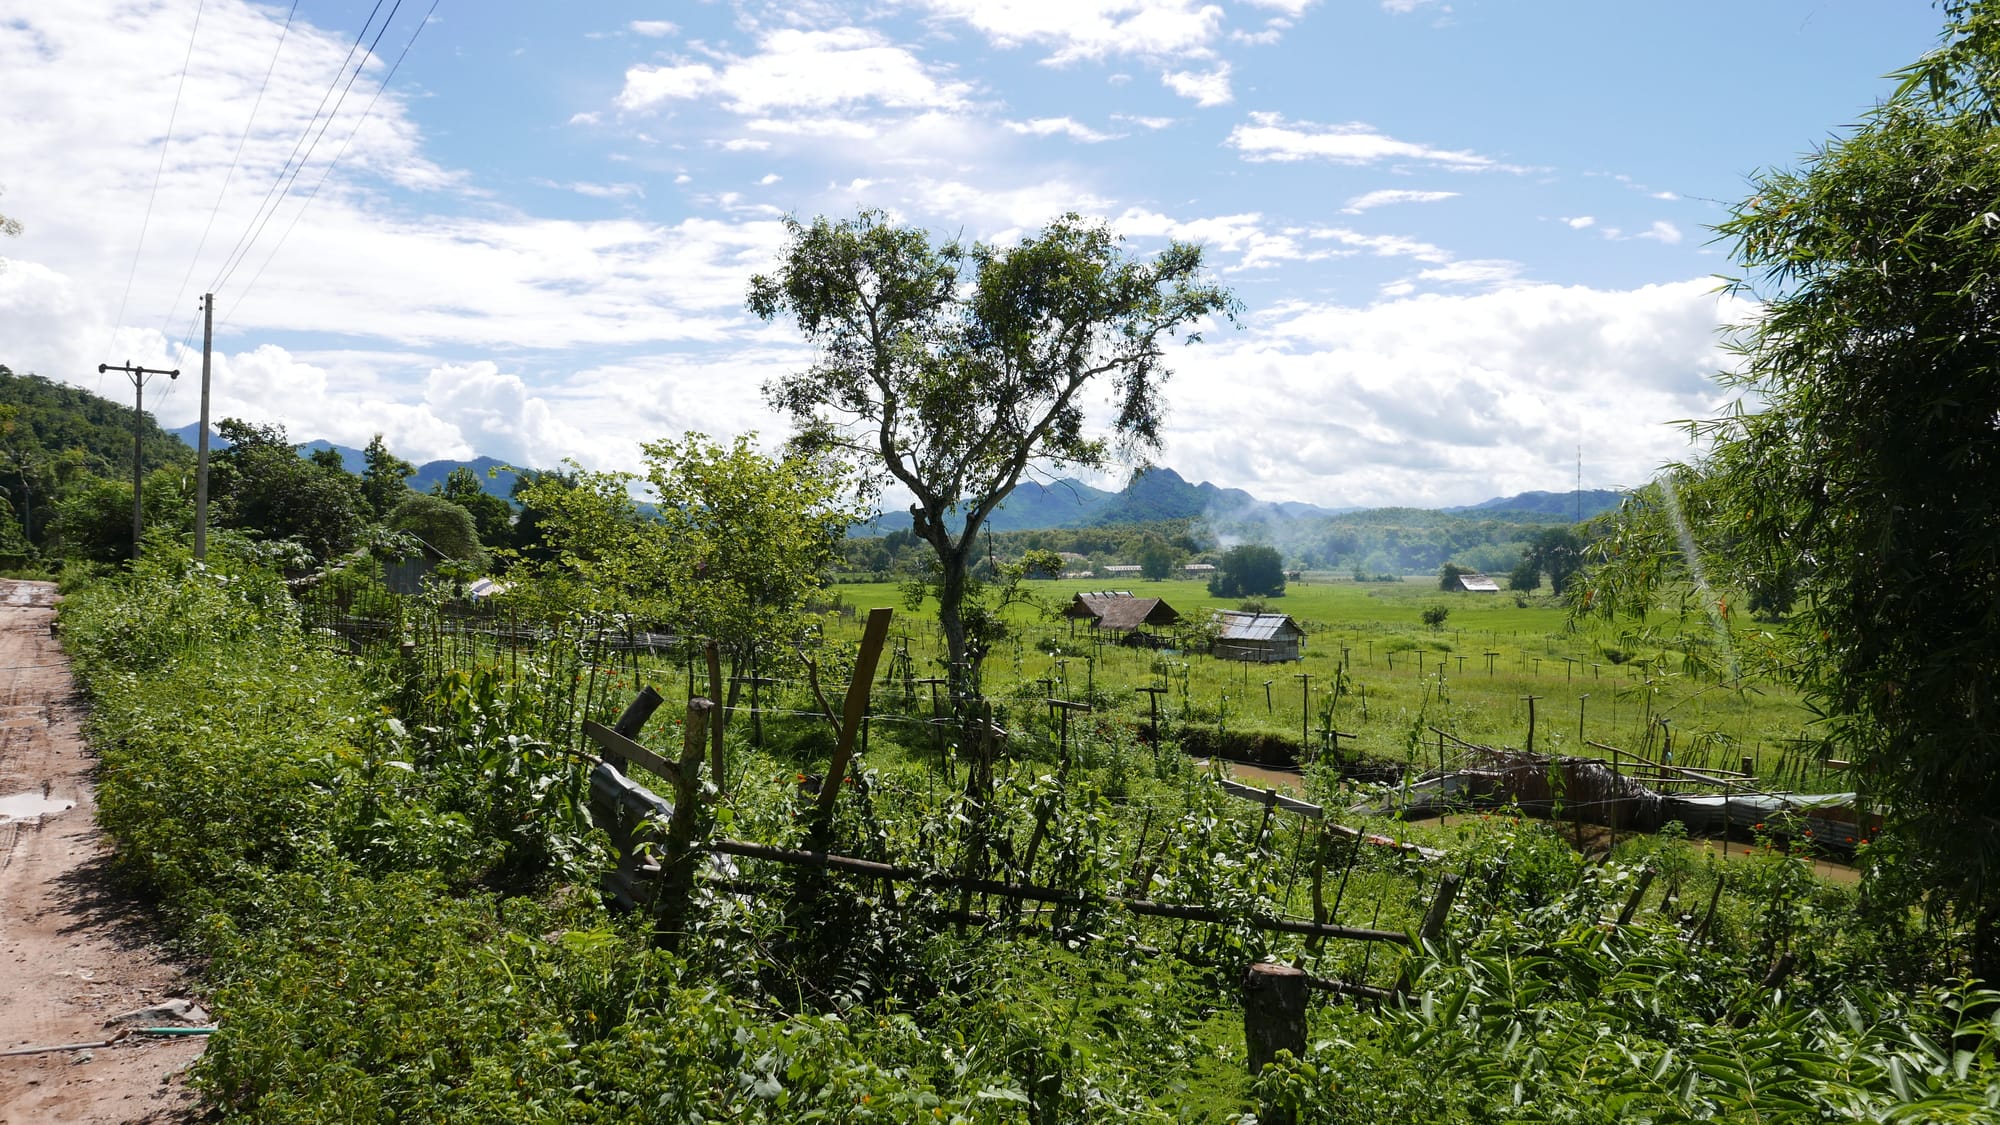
(74,951)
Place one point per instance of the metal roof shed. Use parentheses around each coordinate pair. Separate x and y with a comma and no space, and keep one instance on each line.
(1265,638)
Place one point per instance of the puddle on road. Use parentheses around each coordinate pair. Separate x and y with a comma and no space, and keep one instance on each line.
(31,805)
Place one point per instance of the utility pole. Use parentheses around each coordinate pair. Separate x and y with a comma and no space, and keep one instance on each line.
(201,440)
(138,377)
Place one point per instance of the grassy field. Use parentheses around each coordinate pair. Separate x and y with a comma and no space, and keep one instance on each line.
(1474,677)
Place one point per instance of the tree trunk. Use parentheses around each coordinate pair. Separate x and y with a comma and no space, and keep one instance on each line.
(951,607)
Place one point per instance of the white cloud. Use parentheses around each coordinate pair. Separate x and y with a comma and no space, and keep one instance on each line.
(1383,198)
(800,70)
(745,144)
(1205,89)
(998,214)
(1662,231)
(496,414)
(1243,234)
(1144,122)
(1451,399)
(652,29)
(1060,126)
(1092,29)
(1579,222)
(1404,7)
(768,179)
(1292,8)
(585,118)
(1489,272)
(599,191)
(821,128)
(1669,196)
(1385,245)
(1269,137)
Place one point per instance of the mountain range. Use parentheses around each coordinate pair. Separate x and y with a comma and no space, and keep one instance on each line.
(1153,494)
(496,477)
(1162,494)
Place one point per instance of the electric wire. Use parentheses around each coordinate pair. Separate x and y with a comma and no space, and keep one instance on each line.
(173,115)
(230,176)
(289,172)
(327,173)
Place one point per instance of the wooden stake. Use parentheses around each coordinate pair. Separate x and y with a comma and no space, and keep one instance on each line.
(873,636)
(721,717)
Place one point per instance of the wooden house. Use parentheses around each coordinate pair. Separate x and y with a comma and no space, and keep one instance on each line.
(1261,638)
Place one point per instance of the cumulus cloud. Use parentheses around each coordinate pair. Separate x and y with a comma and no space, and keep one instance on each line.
(1076,30)
(1269,137)
(652,29)
(1204,88)
(1449,399)
(1661,231)
(496,414)
(796,69)
(1374,199)
(1579,222)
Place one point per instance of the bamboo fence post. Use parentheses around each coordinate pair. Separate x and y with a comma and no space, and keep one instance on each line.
(1638,896)
(1433,927)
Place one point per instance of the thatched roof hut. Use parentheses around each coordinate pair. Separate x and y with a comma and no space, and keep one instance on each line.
(1118,611)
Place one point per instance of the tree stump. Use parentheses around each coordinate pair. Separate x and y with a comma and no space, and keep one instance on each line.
(1274,1019)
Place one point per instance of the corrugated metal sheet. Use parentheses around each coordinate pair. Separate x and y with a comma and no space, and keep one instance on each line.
(1238,626)
(1478,583)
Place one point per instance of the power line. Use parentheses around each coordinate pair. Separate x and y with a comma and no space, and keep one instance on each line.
(172,115)
(328,172)
(235,159)
(284,179)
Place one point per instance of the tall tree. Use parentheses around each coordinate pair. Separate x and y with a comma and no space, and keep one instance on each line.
(948,371)
(1248,571)
(1156,558)
(493,516)
(261,485)
(439,524)
(383,477)
(742,538)
(1862,456)
(737,545)
(1559,552)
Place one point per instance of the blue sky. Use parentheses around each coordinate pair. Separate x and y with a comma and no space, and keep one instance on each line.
(1470,237)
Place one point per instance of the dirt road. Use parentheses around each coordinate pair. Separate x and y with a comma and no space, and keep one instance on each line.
(74,951)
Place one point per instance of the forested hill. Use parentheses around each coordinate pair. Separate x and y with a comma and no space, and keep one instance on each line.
(46,419)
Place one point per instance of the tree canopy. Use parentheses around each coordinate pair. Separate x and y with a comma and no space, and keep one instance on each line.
(1860,468)
(261,485)
(384,477)
(949,370)
(1251,570)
